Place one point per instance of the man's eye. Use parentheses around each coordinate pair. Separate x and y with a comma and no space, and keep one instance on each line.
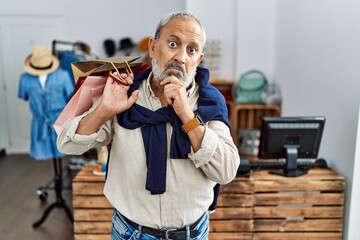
(192,50)
(172,44)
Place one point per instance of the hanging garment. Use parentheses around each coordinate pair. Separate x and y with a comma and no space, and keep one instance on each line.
(66,58)
(45,104)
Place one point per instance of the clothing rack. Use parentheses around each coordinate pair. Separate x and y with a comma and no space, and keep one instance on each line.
(42,190)
(60,201)
(57,43)
(58,178)
(79,48)
(58,187)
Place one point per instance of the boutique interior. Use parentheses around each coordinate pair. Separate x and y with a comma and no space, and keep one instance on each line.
(303,57)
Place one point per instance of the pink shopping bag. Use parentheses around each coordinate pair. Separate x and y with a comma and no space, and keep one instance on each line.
(91,89)
(87,90)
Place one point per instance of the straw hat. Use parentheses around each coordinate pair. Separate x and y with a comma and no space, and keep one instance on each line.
(41,61)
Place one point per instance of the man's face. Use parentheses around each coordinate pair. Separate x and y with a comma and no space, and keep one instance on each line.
(178,50)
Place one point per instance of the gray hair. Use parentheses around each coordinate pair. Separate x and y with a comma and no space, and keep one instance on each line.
(178,15)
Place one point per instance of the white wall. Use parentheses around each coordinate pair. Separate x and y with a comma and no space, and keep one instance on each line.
(245,29)
(3,122)
(255,37)
(217,18)
(354,218)
(93,22)
(317,61)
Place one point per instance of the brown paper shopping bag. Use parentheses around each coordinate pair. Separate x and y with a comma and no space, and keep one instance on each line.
(103,66)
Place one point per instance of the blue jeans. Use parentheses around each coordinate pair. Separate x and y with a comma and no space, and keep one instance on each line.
(121,230)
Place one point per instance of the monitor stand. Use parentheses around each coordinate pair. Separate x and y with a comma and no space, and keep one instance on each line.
(291,169)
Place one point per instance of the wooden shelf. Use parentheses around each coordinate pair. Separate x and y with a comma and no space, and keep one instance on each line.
(243,116)
(249,116)
(224,86)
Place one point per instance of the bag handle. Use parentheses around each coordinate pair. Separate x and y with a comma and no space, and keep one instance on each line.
(253,71)
(119,78)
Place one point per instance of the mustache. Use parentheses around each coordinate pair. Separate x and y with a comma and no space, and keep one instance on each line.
(175,65)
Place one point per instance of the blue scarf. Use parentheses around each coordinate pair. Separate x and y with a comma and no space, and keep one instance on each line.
(211,106)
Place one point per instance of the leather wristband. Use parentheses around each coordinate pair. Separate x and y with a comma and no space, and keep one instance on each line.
(193,123)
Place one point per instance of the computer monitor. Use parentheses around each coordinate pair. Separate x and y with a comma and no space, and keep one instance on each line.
(290,138)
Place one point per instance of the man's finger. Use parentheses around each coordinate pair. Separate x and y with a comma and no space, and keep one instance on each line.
(171,79)
(132,99)
(128,77)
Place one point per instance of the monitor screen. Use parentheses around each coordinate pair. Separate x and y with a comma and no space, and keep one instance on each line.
(290,138)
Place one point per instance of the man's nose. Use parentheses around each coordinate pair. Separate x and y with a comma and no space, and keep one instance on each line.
(181,56)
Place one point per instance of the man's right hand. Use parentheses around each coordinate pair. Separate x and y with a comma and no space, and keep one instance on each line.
(115,99)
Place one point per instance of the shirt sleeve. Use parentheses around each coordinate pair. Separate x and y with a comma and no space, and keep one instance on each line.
(218,155)
(23,89)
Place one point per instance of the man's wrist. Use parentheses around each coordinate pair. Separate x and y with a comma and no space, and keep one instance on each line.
(103,112)
(187,117)
(192,124)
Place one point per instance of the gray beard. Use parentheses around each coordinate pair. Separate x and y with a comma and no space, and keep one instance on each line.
(162,73)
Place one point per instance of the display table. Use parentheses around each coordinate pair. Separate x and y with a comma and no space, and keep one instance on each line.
(262,206)
(267,206)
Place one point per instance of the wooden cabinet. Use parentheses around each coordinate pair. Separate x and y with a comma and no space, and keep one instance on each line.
(92,211)
(267,206)
(262,206)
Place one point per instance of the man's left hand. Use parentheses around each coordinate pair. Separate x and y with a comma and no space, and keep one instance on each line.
(175,95)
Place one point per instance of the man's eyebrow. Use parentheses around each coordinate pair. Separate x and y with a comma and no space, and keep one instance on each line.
(174,36)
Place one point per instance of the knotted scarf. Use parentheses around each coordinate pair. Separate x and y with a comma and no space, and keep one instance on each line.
(211,106)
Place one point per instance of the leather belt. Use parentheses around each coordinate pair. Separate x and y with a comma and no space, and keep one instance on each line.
(171,233)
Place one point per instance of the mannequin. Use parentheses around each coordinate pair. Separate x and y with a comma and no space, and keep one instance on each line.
(48,88)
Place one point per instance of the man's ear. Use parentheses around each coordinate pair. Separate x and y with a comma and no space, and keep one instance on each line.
(152,46)
(201,57)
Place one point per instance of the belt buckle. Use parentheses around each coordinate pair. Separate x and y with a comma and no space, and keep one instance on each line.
(167,233)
